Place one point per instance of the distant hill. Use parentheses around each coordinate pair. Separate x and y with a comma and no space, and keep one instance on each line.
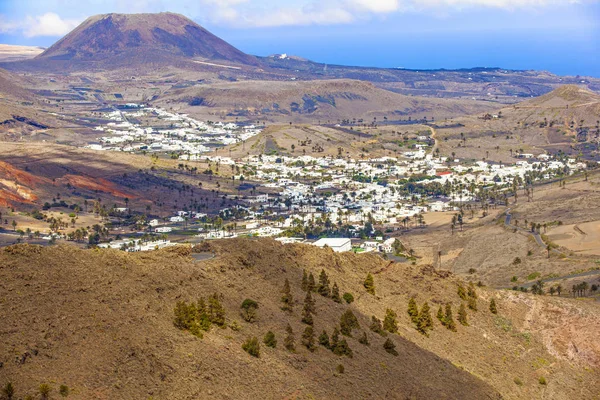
(16,53)
(567,95)
(308,101)
(566,104)
(149,38)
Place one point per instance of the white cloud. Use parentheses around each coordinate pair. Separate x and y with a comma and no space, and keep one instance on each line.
(251,13)
(375,6)
(268,13)
(48,24)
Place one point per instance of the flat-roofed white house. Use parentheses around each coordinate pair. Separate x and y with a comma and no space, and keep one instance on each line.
(336,244)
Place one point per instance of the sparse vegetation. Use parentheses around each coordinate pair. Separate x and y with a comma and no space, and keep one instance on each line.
(309,309)
(348,322)
(249,308)
(63,390)
(369,284)
(413,310)
(286,298)
(424,320)
(44,389)
(389,323)
(390,347)
(493,308)
(8,391)
(252,346)
(308,338)
(269,340)
(462,315)
(348,298)
(290,341)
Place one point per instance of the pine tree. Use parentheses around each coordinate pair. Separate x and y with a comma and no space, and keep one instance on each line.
(462,315)
(369,284)
(364,339)
(390,347)
(335,293)
(335,338)
(413,310)
(342,348)
(184,315)
(324,339)
(348,321)
(252,347)
(471,291)
(308,310)
(425,322)
(269,340)
(493,308)
(461,292)
(389,322)
(472,303)
(308,338)
(304,280)
(449,319)
(287,299)
(440,315)
(376,326)
(290,341)
(216,311)
(9,391)
(323,287)
(202,315)
(311,287)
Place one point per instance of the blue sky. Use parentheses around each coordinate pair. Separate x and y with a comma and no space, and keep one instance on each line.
(561,36)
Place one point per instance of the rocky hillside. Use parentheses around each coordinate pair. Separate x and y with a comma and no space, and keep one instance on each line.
(102,325)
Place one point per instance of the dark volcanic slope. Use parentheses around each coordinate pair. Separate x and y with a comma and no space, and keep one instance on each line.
(103,37)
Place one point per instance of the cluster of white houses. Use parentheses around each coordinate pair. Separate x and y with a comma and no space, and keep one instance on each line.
(173,133)
(303,189)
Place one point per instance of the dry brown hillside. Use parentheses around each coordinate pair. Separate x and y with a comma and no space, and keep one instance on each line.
(327,100)
(101,322)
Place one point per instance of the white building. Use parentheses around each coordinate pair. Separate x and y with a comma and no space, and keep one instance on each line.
(336,244)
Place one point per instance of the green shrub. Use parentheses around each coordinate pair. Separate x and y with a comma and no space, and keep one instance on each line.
(348,298)
(518,382)
(542,381)
(533,275)
(44,390)
(249,308)
(340,369)
(235,326)
(269,340)
(63,390)
(252,347)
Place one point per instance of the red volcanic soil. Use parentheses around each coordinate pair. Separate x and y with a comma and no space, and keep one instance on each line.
(84,182)
(7,171)
(7,199)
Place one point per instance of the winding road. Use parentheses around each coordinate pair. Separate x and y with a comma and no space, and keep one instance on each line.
(541,243)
